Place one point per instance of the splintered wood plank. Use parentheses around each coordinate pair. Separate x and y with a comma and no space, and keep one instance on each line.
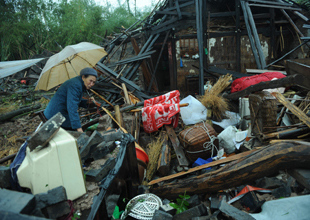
(214,163)
(294,109)
(164,159)
(183,162)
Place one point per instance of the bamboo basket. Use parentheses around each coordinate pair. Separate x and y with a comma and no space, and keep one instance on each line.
(263,109)
(195,137)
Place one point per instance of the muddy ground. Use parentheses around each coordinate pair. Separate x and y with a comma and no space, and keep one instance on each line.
(14,133)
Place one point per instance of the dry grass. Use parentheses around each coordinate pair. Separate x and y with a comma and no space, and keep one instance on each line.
(44,101)
(218,104)
(154,153)
(211,99)
(8,108)
(221,84)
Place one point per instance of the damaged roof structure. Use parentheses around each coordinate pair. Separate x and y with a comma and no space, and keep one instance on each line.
(224,106)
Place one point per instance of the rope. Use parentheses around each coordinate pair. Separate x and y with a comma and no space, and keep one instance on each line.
(207,145)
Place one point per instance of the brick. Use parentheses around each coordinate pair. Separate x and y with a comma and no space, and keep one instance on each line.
(90,145)
(51,197)
(81,140)
(193,200)
(105,122)
(160,215)
(37,212)
(57,210)
(5,215)
(216,200)
(76,134)
(283,191)
(46,132)
(99,174)
(234,212)
(201,218)
(5,177)
(168,208)
(268,183)
(16,202)
(112,135)
(196,211)
(102,150)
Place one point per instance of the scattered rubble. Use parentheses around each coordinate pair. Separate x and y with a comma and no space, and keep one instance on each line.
(240,148)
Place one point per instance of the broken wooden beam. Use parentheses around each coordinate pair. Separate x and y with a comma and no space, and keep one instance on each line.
(302,176)
(294,109)
(251,39)
(288,53)
(266,161)
(211,164)
(164,159)
(183,162)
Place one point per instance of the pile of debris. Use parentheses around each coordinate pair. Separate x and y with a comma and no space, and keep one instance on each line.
(164,155)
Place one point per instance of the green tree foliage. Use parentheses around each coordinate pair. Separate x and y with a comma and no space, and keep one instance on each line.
(27,27)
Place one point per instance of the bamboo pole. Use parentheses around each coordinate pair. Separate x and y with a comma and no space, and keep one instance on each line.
(102,98)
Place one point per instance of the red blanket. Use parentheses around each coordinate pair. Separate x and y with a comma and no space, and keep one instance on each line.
(245,82)
(161,110)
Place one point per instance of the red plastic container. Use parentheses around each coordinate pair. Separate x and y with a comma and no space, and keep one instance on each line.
(142,155)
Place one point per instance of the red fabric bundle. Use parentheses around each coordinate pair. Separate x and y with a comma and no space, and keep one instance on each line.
(161,110)
(245,82)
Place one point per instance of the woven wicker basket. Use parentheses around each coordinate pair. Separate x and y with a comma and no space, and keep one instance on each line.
(194,138)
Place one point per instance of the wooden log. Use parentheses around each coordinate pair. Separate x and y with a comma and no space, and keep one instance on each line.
(266,161)
(183,162)
(214,163)
(284,82)
(164,159)
(12,114)
(294,109)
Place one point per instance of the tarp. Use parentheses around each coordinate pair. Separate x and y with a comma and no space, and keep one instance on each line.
(285,209)
(8,68)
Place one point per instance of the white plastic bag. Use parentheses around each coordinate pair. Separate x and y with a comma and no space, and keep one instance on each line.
(194,113)
(226,139)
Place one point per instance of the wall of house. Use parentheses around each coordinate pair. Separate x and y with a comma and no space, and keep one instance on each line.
(221,53)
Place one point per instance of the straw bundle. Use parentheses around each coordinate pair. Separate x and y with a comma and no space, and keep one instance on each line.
(213,101)
(154,153)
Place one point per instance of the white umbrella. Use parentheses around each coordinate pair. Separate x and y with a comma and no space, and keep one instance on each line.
(68,63)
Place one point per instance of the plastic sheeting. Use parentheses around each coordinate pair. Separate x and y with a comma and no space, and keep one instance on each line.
(285,209)
(8,68)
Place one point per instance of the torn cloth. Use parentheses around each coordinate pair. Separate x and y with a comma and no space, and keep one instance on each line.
(161,110)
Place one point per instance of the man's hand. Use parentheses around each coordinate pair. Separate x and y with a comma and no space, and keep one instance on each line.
(80,130)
